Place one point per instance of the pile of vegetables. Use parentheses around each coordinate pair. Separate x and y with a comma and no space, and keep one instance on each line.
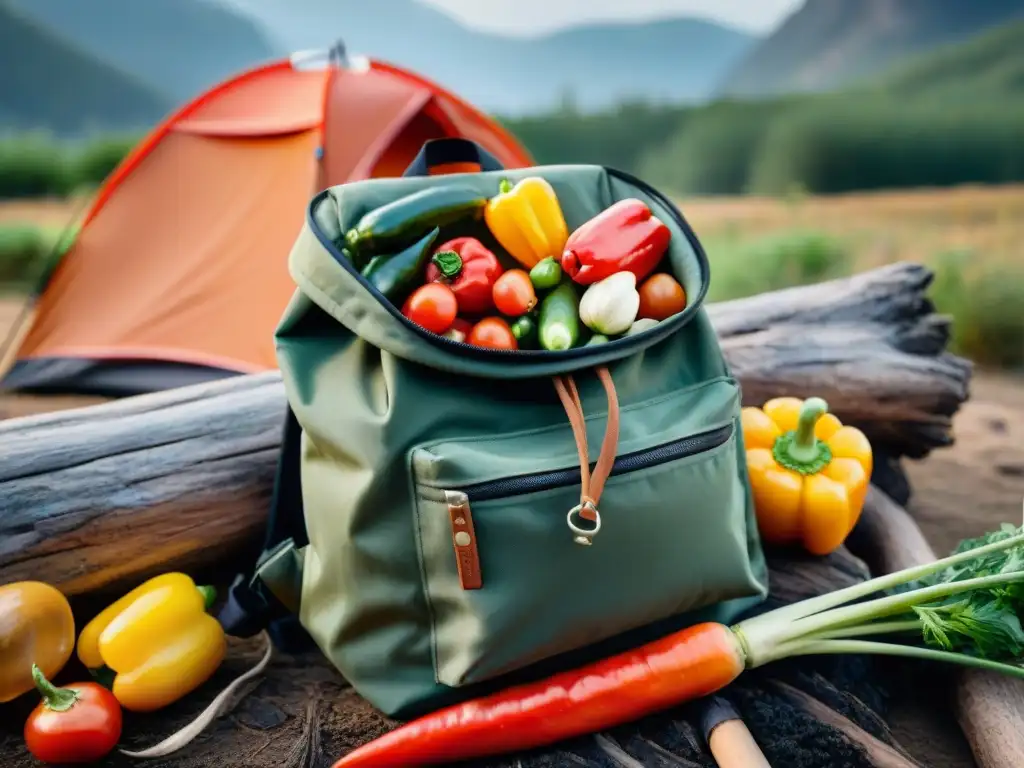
(962,609)
(559,291)
(145,651)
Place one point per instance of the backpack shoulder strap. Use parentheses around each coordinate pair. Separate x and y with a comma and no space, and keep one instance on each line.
(267,597)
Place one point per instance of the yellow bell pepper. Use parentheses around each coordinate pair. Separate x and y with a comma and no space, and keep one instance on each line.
(809,473)
(527,220)
(159,639)
(36,627)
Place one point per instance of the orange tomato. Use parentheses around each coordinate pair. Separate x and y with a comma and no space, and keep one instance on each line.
(513,293)
(492,332)
(661,296)
(432,306)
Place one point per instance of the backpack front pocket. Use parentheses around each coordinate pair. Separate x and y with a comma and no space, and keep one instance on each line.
(507,584)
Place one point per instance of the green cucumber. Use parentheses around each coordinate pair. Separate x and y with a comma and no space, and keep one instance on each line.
(397,276)
(560,318)
(407,219)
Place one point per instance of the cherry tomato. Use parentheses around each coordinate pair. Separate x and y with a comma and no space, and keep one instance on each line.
(492,332)
(80,723)
(513,293)
(460,329)
(432,306)
(661,296)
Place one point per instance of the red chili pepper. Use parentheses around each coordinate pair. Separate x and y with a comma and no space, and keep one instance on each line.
(626,237)
(470,269)
(77,724)
(681,667)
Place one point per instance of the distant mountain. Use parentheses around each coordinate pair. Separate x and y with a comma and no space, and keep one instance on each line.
(596,65)
(179,47)
(50,84)
(990,65)
(828,44)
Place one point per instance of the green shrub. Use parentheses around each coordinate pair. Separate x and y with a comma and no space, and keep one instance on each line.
(987,307)
(33,166)
(835,147)
(712,151)
(774,263)
(27,252)
(98,159)
(617,137)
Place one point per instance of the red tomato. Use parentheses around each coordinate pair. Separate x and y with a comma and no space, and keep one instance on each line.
(460,329)
(432,306)
(77,724)
(492,332)
(661,296)
(513,293)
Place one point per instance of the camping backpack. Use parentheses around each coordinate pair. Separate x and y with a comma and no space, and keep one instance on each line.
(444,523)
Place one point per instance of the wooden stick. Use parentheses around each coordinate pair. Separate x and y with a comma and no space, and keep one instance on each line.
(102,497)
(989,707)
(730,741)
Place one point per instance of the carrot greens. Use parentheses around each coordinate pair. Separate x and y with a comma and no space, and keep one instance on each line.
(963,608)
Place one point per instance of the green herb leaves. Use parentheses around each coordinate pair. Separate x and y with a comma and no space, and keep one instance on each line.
(984,622)
(963,609)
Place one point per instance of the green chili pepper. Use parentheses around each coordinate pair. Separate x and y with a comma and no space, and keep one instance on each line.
(396,276)
(524,328)
(559,326)
(395,224)
(546,274)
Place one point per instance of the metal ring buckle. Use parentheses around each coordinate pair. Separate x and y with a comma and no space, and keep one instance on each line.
(584,537)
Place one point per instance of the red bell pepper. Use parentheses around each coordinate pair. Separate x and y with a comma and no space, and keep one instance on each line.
(470,269)
(626,237)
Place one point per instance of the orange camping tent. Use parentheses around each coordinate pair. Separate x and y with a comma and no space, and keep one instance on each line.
(179,271)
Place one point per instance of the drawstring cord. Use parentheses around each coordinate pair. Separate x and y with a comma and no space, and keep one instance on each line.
(591,484)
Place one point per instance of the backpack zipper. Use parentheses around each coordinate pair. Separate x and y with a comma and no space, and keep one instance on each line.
(627,462)
(661,331)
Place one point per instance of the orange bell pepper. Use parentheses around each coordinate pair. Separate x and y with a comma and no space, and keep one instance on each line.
(809,473)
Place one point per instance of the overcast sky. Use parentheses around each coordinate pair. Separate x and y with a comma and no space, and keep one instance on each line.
(515,17)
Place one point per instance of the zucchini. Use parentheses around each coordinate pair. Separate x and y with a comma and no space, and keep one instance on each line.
(559,325)
(396,224)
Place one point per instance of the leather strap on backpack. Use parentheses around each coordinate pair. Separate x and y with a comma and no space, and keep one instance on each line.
(591,484)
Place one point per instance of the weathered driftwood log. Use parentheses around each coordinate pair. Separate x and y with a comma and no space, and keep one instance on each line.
(871,345)
(990,707)
(100,497)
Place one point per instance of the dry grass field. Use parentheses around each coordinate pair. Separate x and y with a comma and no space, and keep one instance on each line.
(882,227)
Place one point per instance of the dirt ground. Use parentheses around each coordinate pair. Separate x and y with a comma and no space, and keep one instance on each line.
(958,492)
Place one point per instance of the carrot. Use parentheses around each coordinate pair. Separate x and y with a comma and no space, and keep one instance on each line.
(964,608)
(694,662)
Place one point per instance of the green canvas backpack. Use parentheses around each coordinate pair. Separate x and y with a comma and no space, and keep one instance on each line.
(431,506)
